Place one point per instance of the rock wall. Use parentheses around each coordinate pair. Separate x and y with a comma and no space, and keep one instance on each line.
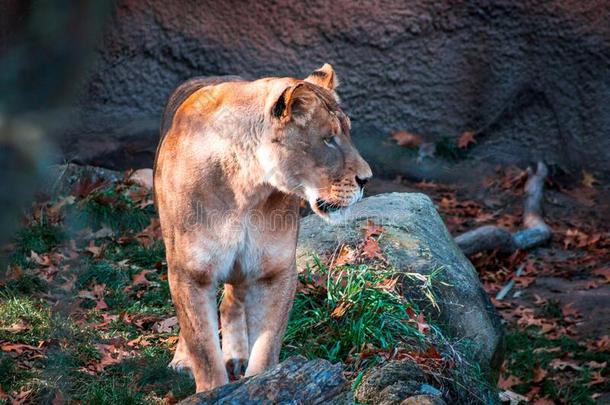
(531,78)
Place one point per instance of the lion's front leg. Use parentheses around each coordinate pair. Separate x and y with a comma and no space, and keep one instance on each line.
(234,330)
(268,305)
(196,309)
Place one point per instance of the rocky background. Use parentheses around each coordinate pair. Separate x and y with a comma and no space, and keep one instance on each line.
(530,78)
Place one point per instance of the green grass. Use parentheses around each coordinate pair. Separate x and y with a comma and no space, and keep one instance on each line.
(375,314)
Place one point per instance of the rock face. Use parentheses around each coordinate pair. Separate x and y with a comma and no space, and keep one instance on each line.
(416,240)
(531,78)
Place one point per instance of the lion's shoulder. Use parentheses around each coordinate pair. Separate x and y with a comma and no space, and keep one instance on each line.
(184,91)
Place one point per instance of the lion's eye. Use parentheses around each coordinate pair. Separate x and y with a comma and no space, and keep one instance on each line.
(329,141)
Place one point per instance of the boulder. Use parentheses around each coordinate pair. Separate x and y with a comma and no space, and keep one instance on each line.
(423,400)
(415,240)
(391,383)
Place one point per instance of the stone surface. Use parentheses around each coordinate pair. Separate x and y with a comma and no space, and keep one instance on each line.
(531,78)
(423,400)
(415,240)
(294,381)
(391,383)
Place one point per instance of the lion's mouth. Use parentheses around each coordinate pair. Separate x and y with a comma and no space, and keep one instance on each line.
(327,207)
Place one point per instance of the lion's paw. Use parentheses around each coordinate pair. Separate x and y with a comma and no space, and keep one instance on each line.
(236,368)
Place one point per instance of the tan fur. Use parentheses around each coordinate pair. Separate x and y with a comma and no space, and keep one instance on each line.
(234,160)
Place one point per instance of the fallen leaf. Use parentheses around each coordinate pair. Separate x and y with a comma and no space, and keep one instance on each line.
(142,177)
(406,139)
(372,229)
(21,397)
(422,326)
(562,365)
(596,379)
(140,341)
(19,326)
(96,251)
(19,348)
(508,382)
(466,139)
(346,255)
(140,278)
(371,248)
(539,374)
(588,180)
(340,310)
(166,325)
(569,312)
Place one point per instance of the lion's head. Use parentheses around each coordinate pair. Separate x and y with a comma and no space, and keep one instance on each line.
(308,150)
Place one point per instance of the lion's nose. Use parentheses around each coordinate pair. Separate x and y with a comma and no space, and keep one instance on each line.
(362,181)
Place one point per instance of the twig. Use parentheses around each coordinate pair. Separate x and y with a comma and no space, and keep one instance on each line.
(509,286)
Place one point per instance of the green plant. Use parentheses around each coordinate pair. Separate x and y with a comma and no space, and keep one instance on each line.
(354,307)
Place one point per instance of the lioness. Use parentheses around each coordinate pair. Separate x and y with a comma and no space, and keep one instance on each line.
(234,159)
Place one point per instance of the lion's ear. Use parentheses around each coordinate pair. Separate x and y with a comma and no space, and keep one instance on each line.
(324,77)
(294,103)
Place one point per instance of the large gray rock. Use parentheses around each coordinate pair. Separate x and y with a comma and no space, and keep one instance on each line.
(416,240)
(531,77)
(391,383)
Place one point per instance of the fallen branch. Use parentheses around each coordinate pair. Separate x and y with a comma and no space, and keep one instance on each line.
(294,381)
(536,232)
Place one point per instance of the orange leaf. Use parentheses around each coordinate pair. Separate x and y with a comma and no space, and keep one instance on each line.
(339,310)
(18,348)
(140,278)
(539,374)
(509,382)
(404,138)
(372,229)
(371,248)
(346,255)
(466,139)
(588,180)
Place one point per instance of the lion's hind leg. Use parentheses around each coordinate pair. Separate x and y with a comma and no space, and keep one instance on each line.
(234,330)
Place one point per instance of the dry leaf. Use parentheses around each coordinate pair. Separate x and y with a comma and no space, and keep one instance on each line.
(539,374)
(372,229)
(509,382)
(96,251)
(406,139)
(18,348)
(166,325)
(346,255)
(466,139)
(371,249)
(588,180)
(143,177)
(140,278)
(340,310)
